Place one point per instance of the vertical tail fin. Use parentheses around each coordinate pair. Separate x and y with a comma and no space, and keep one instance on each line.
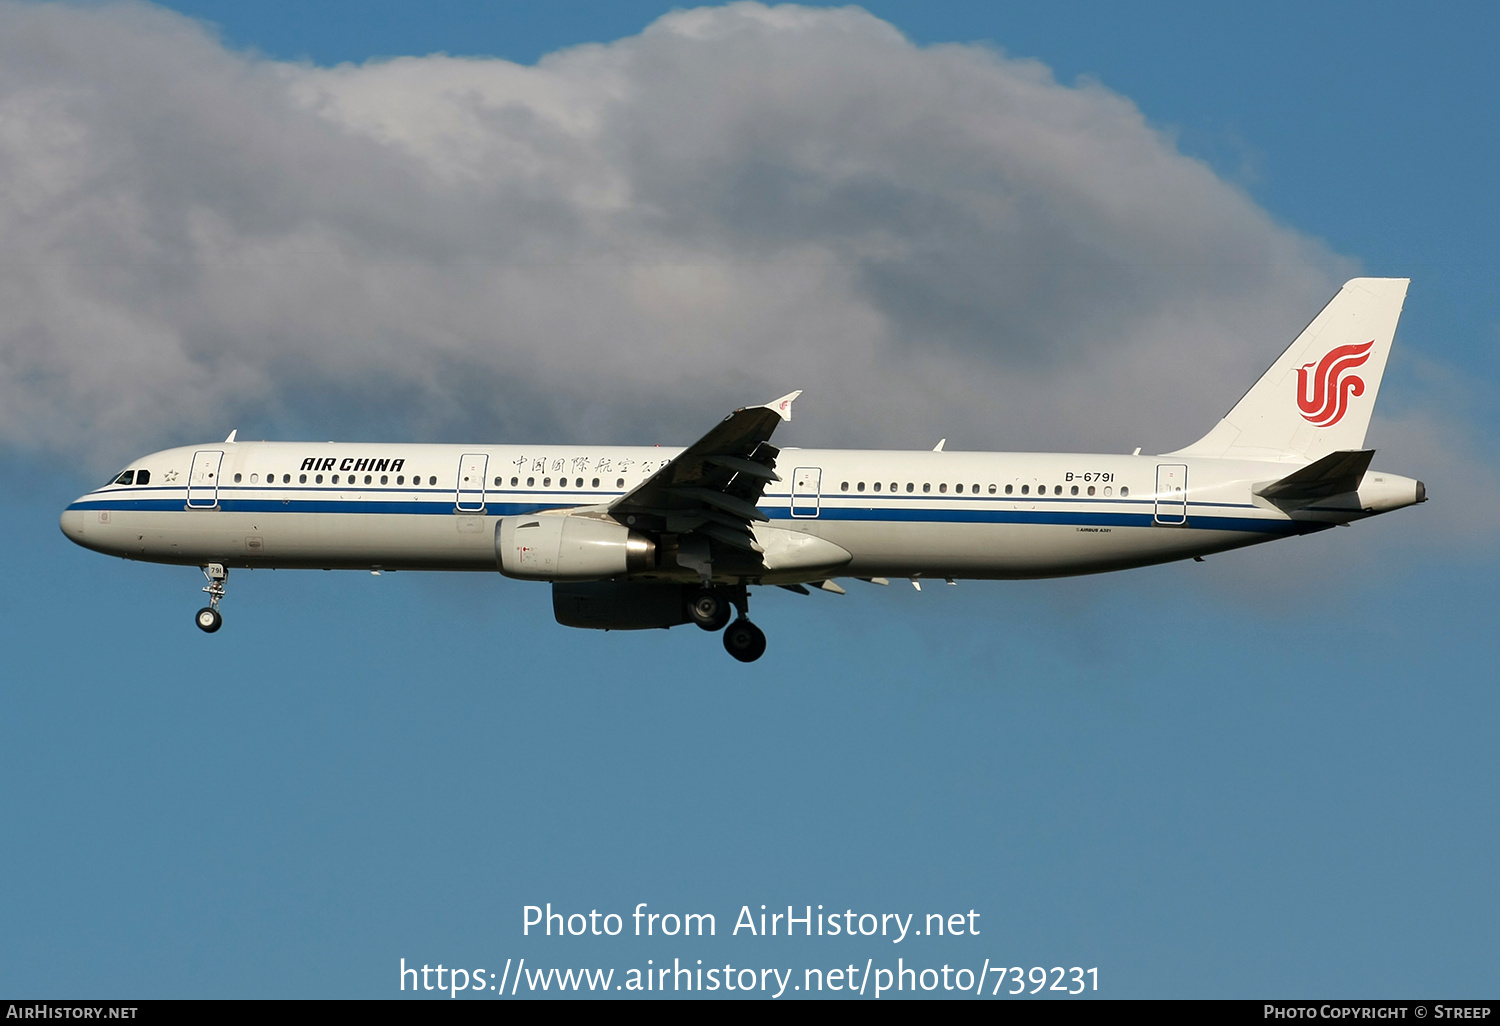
(1318,396)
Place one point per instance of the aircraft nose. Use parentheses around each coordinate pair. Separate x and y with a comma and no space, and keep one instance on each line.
(71,523)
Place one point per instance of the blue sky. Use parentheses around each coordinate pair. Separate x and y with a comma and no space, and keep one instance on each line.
(1271,774)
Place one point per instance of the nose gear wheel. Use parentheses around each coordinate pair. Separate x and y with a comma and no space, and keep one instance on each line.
(209,619)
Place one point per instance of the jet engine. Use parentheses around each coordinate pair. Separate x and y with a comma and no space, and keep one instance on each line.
(570,548)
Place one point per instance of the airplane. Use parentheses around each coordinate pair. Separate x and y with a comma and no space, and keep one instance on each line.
(634,538)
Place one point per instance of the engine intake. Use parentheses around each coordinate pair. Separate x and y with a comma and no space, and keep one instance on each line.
(570,548)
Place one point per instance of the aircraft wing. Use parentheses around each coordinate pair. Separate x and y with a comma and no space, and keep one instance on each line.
(711,489)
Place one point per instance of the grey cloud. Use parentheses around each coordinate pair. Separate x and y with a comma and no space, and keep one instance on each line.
(624,240)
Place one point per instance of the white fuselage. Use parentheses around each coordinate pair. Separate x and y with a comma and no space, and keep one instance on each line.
(898,513)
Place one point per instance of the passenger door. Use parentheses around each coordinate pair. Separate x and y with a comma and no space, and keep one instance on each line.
(1171,494)
(203,479)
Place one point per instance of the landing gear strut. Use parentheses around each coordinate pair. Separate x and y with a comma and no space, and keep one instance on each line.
(208,618)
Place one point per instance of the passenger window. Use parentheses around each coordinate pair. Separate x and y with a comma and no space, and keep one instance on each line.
(368,479)
(620,483)
(1108,490)
(1124,491)
(432,480)
(844,487)
(546,482)
(386,480)
(142,477)
(318,479)
(579,482)
(595,484)
(861,486)
(877,486)
(237,479)
(975,489)
(401,479)
(334,479)
(958,488)
(562,482)
(1057,489)
(1026,489)
(1075,489)
(1091,489)
(926,486)
(302,479)
(910,486)
(992,489)
(497,482)
(1008,488)
(943,487)
(514,481)
(530,482)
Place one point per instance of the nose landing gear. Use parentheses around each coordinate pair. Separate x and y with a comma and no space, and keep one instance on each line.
(208,618)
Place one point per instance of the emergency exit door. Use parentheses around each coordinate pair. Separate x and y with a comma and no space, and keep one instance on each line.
(471,470)
(807,484)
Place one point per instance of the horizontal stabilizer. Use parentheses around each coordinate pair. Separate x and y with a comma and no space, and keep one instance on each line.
(1334,474)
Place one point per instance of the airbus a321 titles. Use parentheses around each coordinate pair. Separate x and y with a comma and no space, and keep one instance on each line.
(632,538)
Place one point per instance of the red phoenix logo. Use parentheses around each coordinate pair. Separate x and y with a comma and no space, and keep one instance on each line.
(1328,399)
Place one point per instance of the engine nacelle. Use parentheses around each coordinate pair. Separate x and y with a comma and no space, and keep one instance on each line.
(570,548)
(620,605)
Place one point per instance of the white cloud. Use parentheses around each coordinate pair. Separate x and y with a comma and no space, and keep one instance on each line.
(624,240)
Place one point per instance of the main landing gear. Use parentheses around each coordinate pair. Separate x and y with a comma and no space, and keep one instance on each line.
(209,618)
(745,641)
(711,608)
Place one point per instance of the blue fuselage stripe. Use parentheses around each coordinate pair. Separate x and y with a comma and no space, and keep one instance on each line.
(1114,513)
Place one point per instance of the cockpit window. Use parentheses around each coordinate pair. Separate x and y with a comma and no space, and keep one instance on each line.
(126,478)
(142,477)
